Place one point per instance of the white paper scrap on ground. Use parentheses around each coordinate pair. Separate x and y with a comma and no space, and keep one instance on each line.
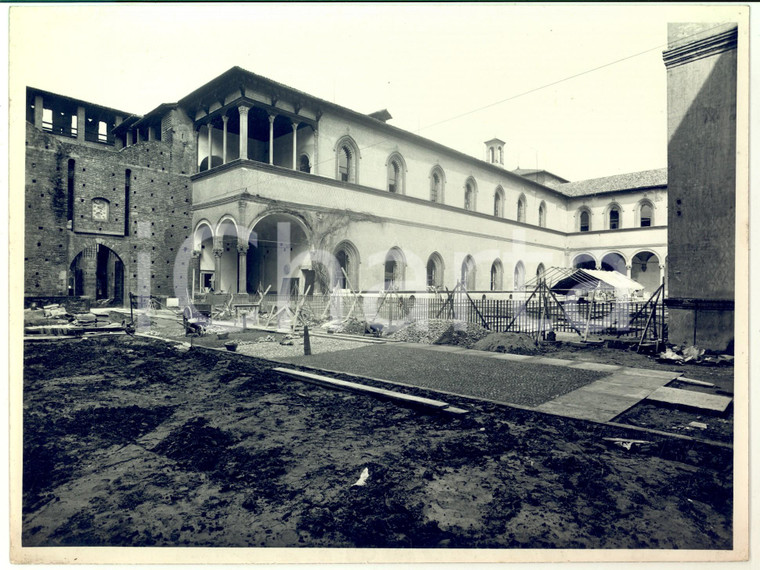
(362,478)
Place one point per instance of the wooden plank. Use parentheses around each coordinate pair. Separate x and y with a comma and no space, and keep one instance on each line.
(354,387)
(690,399)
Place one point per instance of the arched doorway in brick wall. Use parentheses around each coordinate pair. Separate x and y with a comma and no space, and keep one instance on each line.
(97,272)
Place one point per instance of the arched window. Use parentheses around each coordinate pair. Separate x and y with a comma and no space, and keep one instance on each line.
(646,215)
(344,163)
(346,159)
(468,273)
(584,220)
(491,154)
(542,215)
(501,155)
(437,183)
(497,276)
(396,174)
(347,269)
(540,270)
(303,164)
(498,202)
(434,271)
(395,265)
(613,216)
(519,282)
(521,208)
(469,195)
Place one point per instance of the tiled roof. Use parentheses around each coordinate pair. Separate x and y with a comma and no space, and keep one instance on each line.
(629,181)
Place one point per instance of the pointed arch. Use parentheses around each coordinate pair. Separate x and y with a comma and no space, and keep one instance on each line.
(583,219)
(497,275)
(519,276)
(542,214)
(645,213)
(347,160)
(395,269)
(613,216)
(498,202)
(437,184)
(434,270)
(346,260)
(396,167)
(522,203)
(468,273)
(470,194)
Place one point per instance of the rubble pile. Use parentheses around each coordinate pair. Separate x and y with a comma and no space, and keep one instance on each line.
(440,331)
(514,343)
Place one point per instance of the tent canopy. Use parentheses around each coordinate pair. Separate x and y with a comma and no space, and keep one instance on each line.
(583,280)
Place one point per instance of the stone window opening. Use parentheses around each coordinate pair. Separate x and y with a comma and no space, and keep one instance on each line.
(614,217)
(542,215)
(396,174)
(646,215)
(521,209)
(498,203)
(100,209)
(437,182)
(584,221)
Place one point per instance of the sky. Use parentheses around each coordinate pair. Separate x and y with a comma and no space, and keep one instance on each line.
(578,90)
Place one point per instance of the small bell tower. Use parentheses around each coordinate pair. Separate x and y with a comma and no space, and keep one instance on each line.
(495,152)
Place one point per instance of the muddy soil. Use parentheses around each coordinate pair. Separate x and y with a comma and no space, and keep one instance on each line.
(131,442)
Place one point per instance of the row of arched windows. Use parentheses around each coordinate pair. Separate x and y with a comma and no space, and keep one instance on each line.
(347,155)
(347,274)
(613,217)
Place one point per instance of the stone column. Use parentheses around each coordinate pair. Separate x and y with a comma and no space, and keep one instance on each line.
(315,159)
(38,106)
(662,273)
(242,268)
(210,144)
(80,123)
(218,252)
(271,139)
(243,110)
(295,146)
(138,136)
(151,133)
(628,271)
(196,272)
(225,118)
(130,139)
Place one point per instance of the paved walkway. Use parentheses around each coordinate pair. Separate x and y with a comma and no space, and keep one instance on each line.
(577,389)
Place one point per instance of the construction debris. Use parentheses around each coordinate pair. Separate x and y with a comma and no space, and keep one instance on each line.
(362,478)
(514,343)
(694,355)
(441,331)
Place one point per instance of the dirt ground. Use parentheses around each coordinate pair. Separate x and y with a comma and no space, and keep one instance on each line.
(129,441)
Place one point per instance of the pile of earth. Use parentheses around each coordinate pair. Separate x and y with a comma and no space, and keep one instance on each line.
(514,343)
(440,331)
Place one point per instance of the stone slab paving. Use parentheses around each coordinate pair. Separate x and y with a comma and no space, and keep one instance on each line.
(610,396)
(690,399)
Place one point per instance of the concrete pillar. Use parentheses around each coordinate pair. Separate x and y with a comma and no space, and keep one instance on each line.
(38,106)
(295,146)
(243,110)
(242,268)
(210,144)
(80,123)
(271,139)
(225,118)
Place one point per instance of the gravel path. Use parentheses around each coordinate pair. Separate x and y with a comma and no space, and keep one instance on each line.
(500,380)
(319,345)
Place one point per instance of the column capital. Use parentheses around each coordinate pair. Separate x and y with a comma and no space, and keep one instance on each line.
(242,248)
(218,252)
(196,253)
(225,118)
(294,125)
(243,109)
(271,117)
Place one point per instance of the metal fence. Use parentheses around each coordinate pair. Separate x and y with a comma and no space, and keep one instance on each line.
(620,318)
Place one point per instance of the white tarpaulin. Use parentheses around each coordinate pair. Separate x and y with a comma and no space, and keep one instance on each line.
(590,279)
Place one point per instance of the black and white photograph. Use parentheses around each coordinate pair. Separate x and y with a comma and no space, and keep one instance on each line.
(409,282)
